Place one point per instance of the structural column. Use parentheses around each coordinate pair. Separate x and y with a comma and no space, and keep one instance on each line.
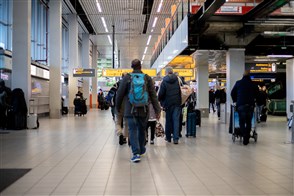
(86,64)
(202,83)
(289,84)
(21,44)
(73,58)
(94,80)
(55,55)
(235,61)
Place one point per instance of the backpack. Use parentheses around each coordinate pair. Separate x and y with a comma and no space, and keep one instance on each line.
(138,95)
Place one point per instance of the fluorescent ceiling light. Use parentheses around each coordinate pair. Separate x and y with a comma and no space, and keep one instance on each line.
(159,6)
(265,60)
(175,51)
(103,21)
(152,30)
(142,62)
(154,22)
(98,6)
(169,57)
(280,56)
(145,50)
(109,39)
(143,57)
(148,41)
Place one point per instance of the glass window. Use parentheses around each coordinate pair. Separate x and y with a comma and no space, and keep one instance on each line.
(6,24)
(39,31)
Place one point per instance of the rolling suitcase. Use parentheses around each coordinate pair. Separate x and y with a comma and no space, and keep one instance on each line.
(191,124)
(32,118)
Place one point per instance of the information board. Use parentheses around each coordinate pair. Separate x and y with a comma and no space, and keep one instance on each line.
(80,72)
(119,72)
(182,72)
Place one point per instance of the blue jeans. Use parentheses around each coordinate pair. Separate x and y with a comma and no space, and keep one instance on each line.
(137,127)
(245,116)
(172,122)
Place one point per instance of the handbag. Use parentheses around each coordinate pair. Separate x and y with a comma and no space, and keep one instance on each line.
(186,91)
(159,130)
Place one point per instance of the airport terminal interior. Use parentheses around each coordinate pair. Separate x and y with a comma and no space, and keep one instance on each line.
(59,60)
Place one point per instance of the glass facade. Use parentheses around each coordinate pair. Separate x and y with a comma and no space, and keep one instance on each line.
(39,31)
(6,24)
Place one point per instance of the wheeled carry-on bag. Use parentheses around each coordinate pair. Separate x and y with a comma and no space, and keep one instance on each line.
(32,118)
(191,124)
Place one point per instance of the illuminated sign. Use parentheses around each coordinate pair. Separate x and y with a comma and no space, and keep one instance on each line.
(261,68)
(181,72)
(119,72)
(80,72)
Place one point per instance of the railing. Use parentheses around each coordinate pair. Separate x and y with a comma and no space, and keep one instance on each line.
(183,9)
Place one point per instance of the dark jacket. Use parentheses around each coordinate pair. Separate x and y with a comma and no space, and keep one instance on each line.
(261,98)
(123,92)
(211,96)
(169,92)
(244,92)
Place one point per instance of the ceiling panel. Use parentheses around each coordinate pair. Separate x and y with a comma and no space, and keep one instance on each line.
(127,17)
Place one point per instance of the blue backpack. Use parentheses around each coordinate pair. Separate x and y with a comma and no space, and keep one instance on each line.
(138,94)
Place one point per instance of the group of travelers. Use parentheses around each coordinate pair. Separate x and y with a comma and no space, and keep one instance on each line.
(133,118)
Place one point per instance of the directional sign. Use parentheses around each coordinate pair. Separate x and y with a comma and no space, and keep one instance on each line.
(182,72)
(119,72)
(80,72)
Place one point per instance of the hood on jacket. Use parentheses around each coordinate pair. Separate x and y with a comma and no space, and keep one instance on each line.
(171,78)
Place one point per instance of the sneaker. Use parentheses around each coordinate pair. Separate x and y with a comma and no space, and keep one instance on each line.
(176,141)
(121,140)
(152,142)
(136,158)
(168,140)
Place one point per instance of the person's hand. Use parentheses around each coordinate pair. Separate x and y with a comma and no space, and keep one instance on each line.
(158,116)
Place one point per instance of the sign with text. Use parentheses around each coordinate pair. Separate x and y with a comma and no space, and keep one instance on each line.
(182,72)
(261,67)
(119,72)
(80,72)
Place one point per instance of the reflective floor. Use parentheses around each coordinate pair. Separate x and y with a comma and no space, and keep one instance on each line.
(81,156)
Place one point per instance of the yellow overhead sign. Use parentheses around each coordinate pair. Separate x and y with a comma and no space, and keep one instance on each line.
(182,72)
(119,72)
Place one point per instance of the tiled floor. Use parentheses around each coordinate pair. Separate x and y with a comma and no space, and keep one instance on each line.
(81,156)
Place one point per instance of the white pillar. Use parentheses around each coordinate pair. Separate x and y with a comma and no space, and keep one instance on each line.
(94,79)
(202,83)
(86,64)
(73,58)
(289,84)
(55,55)
(21,44)
(235,61)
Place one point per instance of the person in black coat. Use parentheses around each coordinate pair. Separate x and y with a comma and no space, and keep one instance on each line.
(211,100)
(5,102)
(170,97)
(244,94)
(260,102)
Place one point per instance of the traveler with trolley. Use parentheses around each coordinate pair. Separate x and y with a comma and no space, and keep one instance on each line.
(244,95)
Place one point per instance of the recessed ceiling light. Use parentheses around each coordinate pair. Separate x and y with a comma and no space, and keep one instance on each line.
(130,9)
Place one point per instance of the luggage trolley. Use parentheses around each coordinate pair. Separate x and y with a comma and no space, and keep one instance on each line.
(236,131)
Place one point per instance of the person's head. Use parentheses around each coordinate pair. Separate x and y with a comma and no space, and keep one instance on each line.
(124,74)
(169,70)
(246,73)
(136,64)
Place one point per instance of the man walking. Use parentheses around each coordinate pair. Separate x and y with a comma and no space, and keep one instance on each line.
(140,89)
(170,98)
(244,94)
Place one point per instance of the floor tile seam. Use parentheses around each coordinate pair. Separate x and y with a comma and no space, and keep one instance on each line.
(170,169)
(152,175)
(112,163)
(235,173)
(93,165)
(191,170)
(53,167)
